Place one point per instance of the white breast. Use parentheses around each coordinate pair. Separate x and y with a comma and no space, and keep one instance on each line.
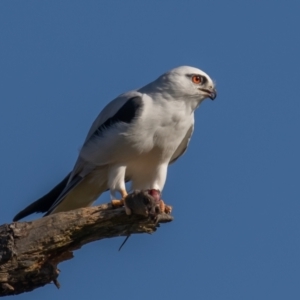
(158,133)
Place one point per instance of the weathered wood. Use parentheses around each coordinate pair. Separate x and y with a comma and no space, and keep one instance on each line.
(31,251)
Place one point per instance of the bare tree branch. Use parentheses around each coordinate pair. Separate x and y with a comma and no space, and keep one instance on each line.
(31,251)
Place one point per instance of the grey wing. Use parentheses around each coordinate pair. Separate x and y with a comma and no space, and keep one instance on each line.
(102,139)
(183,145)
(110,110)
(110,115)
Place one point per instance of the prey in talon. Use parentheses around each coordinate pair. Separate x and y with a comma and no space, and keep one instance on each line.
(142,203)
(145,203)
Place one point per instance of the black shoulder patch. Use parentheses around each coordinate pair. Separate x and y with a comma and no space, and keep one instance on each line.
(125,114)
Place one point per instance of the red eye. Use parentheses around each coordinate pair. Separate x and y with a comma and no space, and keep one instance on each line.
(197,79)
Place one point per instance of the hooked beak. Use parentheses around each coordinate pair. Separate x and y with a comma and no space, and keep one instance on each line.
(211,93)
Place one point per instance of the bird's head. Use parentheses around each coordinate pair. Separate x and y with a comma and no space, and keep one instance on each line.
(185,83)
(191,82)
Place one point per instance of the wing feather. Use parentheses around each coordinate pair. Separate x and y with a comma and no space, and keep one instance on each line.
(110,110)
(121,110)
(183,145)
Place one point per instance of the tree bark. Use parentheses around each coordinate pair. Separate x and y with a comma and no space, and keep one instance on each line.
(31,251)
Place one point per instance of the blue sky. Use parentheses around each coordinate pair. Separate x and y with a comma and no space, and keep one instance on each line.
(235,192)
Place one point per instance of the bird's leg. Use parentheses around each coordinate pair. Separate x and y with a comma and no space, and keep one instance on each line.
(119,203)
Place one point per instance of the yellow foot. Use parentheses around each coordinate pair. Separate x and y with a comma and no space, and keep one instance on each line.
(117,203)
(164,207)
(121,202)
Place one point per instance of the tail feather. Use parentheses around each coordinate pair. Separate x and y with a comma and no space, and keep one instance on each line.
(80,192)
(71,185)
(43,204)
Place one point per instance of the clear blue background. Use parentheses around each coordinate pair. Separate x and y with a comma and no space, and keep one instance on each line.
(235,192)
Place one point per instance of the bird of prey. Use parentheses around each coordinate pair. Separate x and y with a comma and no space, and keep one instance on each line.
(134,138)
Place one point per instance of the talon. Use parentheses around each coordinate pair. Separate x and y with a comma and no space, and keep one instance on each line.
(127,210)
(162,205)
(117,203)
(167,209)
(121,202)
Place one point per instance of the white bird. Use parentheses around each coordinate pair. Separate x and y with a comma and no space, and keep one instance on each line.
(134,138)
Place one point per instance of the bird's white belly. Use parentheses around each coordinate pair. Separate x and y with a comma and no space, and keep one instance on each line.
(147,167)
(147,170)
(160,129)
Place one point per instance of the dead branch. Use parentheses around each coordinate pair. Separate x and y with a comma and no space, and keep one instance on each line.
(31,251)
